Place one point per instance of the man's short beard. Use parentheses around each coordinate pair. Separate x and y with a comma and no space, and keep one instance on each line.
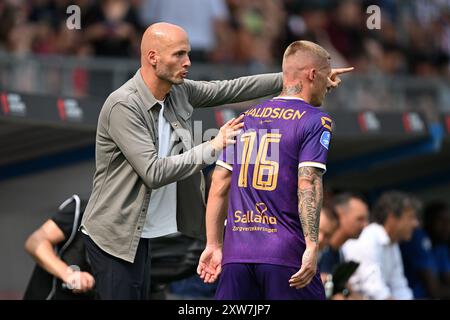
(163,75)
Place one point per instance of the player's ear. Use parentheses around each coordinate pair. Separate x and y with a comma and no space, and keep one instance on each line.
(339,211)
(312,74)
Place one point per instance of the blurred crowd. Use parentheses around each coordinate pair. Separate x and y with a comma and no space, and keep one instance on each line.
(414,36)
(396,248)
(404,65)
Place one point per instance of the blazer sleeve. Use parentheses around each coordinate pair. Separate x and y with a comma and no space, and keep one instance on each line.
(214,93)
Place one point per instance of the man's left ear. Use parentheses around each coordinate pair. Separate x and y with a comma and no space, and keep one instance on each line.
(151,57)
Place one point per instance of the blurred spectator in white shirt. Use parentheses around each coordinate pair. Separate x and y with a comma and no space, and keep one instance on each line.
(353,214)
(380,274)
(205,21)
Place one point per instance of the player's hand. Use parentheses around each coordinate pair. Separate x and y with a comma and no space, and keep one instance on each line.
(227,133)
(334,80)
(210,264)
(307,271)
(79,282)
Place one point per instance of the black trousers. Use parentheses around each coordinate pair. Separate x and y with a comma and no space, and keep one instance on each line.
(117,279)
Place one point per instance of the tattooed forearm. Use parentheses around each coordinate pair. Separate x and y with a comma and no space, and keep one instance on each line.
(310,201)
(292,90)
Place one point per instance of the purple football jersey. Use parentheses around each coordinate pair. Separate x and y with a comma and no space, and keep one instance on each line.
(263,224)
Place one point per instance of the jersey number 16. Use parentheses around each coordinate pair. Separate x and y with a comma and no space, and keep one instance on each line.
(262,165)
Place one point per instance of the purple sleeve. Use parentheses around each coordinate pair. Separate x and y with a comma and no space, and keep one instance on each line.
(226,158)
(315,142)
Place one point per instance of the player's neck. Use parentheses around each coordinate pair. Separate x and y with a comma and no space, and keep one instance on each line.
(302,96)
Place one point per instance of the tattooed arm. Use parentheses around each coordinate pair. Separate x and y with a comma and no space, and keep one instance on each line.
(310,202)
(310,196)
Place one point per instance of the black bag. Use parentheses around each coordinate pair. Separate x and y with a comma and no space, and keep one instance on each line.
(342,274)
